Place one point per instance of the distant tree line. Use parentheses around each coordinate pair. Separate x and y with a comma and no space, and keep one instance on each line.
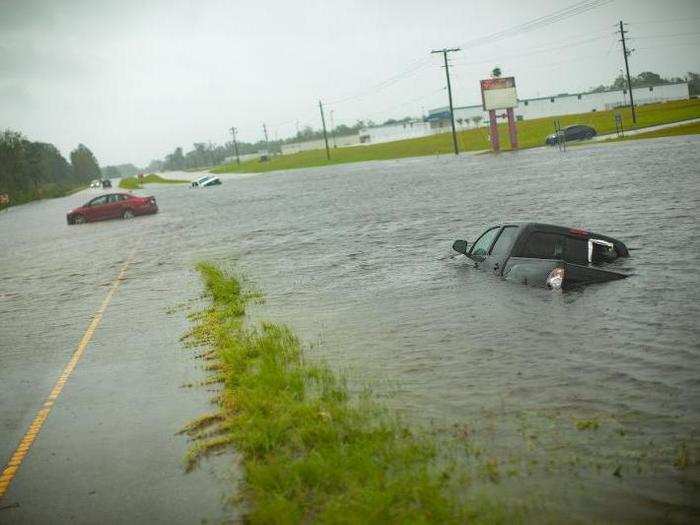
(34,170)
(203,155)
(649,78)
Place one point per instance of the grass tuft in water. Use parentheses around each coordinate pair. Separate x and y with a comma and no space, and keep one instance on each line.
(133,183)
(587,424)
(310,451)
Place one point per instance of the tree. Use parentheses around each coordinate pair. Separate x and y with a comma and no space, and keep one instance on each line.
(85,166)
(476,119)
(30,170)
(496,72)
(619,83)
(175,160)
(648,78)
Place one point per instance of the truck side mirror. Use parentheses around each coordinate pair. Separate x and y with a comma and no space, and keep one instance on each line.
(460,246)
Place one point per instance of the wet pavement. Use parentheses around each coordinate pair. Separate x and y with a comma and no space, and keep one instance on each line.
(587,400)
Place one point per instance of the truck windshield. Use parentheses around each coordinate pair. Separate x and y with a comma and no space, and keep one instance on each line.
(483,243)
(504,241)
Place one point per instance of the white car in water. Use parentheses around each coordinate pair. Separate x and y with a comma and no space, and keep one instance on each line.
(203,182)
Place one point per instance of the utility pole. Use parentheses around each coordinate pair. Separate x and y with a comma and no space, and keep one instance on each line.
(333,130)
(235,145)
(449,91)
(627,68)
(325,135)
(267,146)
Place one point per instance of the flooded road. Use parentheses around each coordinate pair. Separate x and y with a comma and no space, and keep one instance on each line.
(588,401)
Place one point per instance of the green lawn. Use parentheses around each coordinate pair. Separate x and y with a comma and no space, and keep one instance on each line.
(132,183)
(686,129)
(531,133)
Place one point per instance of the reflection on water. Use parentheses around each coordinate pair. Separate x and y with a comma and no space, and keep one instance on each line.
(590,397)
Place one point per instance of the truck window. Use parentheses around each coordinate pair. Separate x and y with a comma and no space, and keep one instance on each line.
(600,251)
(483,243)
(504,241)
(541,245)
(576,250)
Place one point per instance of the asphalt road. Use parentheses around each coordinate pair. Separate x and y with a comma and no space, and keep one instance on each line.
(108,449)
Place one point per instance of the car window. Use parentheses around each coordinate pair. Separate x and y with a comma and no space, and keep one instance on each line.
(112,198)
(541,245)
(504,241)
(483,243)
(98,201)
(576,250)
(601,251)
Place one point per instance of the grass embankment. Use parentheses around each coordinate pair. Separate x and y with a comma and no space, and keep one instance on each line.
(531,133)
(311,452)
(686,129)
(132,183)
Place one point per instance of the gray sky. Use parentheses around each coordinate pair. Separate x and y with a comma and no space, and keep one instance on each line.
(132,80)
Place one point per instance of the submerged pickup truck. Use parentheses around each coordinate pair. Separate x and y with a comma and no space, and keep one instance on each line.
(545,255)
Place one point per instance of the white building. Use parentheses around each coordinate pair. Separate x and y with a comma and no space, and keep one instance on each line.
(438,120)
(333,142)
(400,131)
(568,104)
(243,158)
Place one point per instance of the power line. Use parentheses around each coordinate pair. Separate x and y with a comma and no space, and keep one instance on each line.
(537,23)
(531,25)
(667,36)
(534,51)
(383,85)
(667,21)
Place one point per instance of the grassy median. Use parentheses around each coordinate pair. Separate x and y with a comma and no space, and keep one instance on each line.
(531,133)
(311,451)
(133,183)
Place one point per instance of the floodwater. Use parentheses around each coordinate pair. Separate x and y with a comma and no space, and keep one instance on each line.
(588,401)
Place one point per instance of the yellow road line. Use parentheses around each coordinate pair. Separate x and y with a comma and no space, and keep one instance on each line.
(23,448)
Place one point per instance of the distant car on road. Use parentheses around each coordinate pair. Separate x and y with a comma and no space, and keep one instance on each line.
(544,255)
(95,183)
(203,182)
(112,206)
(576,132)
(106,183)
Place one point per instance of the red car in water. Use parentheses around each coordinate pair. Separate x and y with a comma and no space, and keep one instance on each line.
(112,206)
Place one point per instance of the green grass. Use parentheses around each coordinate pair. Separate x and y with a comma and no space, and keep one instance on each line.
(685,129)
(531,133)
(312,452)
(132,183)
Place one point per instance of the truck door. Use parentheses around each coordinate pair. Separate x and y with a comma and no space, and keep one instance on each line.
(499,252)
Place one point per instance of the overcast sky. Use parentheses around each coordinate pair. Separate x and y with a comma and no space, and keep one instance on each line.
(134,79)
